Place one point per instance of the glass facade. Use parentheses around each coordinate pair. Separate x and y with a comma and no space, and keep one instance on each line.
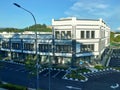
(63,48)
(16,46)
(45,47)
(87,48)
(28,47)
(6,44)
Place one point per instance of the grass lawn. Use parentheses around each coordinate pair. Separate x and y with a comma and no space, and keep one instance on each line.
(12,87)
(100,67)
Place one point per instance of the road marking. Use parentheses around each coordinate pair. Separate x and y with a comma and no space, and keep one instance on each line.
(71,87)
(115,86)
(56,74)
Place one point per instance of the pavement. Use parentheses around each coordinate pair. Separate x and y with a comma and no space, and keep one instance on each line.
(17,74)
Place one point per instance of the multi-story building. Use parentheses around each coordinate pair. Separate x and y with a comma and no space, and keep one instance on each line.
(72,41)
(81,39)
(17,46)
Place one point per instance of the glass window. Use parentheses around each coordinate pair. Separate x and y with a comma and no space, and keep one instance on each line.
(57,35)
(28,46)
(68,34)
(6,45)
(45,48)
(87,48)
(82,34)
(92,47)
(87,34)
(63,48)
(69,48)
(92,34)
(16,46)
(62,34)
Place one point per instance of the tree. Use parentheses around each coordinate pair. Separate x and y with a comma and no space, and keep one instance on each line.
(37,27)
(117,39)
(30,64)
(111,37)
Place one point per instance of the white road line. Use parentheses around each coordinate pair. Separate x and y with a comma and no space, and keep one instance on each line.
(56,74)
(74,88)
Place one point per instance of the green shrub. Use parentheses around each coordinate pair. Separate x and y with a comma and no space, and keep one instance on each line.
(75,75)
(83,70)
(99,67)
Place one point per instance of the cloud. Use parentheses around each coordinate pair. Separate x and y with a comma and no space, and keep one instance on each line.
(102,6)
(89,7)
(106,9)
(118,28)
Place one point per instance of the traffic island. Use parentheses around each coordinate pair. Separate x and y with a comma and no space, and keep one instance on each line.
(75,76)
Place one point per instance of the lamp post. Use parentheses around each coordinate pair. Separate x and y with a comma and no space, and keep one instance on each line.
(37,60)
(49,49)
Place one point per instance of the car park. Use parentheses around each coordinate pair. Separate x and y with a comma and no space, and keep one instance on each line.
(54,73)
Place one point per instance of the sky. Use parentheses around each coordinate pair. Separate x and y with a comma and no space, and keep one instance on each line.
(46,10)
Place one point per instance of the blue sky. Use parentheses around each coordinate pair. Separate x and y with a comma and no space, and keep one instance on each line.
(45,10)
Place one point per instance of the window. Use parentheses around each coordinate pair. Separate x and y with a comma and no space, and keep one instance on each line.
(57,35)
(63,48)
(92,47)
(58,48)
(63,35)
(28,46)
(69,48)
(87,48)
(68,34)
(45,48)
(15,45)
(82,34)
(66,48)
(92,34)
(87,34)
(6,45)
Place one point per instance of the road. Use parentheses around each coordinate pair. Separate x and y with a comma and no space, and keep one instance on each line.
(17,74)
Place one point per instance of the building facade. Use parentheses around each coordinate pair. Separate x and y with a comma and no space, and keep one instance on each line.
(18,46)
(72,42)
(88,38)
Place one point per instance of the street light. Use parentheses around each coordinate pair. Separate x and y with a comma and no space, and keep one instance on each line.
(37,60)
(26,11)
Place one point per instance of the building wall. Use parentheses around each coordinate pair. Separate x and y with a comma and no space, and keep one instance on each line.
(90,33)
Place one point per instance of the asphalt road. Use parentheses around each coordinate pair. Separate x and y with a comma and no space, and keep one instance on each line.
(17,74)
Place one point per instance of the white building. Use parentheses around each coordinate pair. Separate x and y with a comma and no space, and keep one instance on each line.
(89,37)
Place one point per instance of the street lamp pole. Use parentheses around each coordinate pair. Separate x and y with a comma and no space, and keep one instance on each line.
(26,11)
(49,49)
(37,60)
